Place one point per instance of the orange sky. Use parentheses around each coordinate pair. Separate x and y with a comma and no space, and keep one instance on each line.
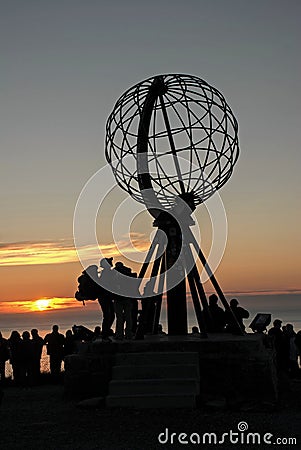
(39,270)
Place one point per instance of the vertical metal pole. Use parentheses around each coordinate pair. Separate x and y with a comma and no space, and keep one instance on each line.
(176,294)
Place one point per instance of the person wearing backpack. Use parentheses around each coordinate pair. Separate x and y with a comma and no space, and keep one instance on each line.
(123,302)
(88,287)
(91,286)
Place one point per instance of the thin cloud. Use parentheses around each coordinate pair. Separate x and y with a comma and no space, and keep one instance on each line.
(63,251)
(37,252)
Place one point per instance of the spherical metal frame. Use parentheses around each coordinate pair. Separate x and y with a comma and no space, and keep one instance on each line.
(195,117)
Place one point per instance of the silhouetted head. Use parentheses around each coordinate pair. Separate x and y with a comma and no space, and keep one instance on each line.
(55,328)
(277,323)
(26,335)
(69,334)
(0,335)
(290,328)
(97,331)
(92,271)
(121,268)
(195,330)
(213,299)
(233,303)
(105,263)
(119,265)
(34,332)
(15,335)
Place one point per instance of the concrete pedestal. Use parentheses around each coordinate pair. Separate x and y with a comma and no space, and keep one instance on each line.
(226,368)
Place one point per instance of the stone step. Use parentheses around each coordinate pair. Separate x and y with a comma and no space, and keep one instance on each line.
(156,358)
(151,401)
(154,386)
(131,372)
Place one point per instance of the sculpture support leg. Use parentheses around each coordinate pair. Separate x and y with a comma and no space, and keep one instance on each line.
(214,282)
(174,263)
(159,297)
(196,304)
(176,294)
(202,316)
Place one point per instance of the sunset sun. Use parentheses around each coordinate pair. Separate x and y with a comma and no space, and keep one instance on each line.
(42,304)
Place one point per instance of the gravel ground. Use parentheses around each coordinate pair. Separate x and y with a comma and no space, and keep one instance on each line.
(42,418)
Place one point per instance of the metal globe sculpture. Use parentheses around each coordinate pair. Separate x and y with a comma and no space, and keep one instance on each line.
(190,146)
(172,141)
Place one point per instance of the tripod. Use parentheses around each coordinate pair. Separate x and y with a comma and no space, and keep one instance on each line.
(173,264)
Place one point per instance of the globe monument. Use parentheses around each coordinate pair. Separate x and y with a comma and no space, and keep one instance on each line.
(172,142)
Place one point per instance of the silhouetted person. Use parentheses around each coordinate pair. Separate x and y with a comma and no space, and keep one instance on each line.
(15,350)
(69,344)
(4,356)
(123,302)
(298,343)
(88,287)
(134,303)
(55,349)
(292,350)
(195,330)
(26,359)
(286,338)
(37,348)
(105,298)
(160,329)
(96,333)
(82,333)
(240,314)
(217,314)
(280,344)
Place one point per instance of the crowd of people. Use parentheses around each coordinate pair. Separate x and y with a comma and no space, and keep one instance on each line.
(117,292)
(229,320)
(287,346)
(24,352)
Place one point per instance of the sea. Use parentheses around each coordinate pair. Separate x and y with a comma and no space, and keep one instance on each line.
(286,307)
